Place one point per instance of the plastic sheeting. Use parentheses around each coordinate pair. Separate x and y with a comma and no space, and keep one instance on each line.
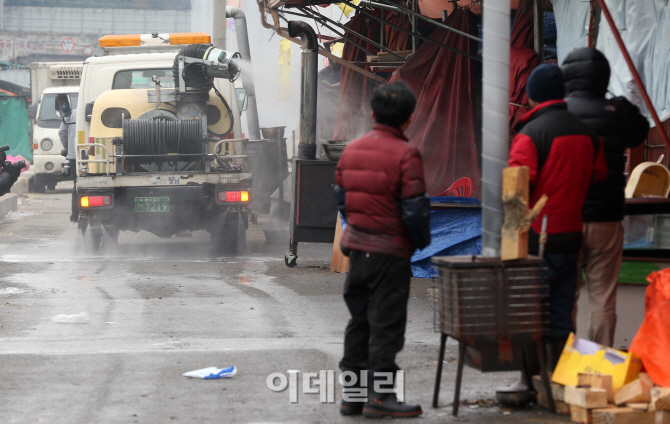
(15,127)
(644,26)
(572,25)
(455,231)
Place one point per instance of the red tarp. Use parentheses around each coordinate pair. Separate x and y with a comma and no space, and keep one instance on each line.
(443,128)
(523,60)
(353,112)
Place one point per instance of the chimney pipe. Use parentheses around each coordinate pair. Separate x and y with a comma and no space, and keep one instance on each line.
(247,75)
(308,88)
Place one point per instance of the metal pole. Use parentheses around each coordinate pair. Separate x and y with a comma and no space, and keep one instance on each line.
(423,18)
(636,76)
(381,28)
(247,74)
(354,33)
(413,26)
(420,37)
(308,88)
(495,125)
(538,29)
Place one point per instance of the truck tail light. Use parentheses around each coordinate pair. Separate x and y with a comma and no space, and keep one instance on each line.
(233,196)
(95,201)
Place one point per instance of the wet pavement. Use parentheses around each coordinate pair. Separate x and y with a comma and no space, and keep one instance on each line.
(162,307)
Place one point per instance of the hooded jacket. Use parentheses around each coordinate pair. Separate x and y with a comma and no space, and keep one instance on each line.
(618,122)
(563,156)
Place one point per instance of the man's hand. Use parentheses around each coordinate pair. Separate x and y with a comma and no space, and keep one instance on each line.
(63,153)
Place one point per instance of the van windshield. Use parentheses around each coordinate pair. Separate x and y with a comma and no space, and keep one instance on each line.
(141,78)
(48,107)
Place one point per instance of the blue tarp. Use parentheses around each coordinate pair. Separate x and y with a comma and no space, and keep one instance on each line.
(455,231)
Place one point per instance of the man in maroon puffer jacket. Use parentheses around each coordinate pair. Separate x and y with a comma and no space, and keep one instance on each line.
(381,193)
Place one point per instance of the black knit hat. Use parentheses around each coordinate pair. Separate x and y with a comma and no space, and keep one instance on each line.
(545,83)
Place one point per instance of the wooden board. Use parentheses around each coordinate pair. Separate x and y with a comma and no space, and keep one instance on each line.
(634,392)
(622,416)
(338,262)
(660,399)
(581,415)
(586,397)
(514,243)
(600,381)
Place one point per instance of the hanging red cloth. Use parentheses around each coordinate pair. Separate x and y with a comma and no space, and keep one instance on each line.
(353,111)
(522,61)
(443,128)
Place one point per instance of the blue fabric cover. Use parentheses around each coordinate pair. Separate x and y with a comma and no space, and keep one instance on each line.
(452,232)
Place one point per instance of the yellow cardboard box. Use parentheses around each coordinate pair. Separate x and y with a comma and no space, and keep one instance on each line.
(581,355)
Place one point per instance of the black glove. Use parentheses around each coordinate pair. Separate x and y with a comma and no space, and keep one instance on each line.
(63,152)
(340,200)
(416,216)
(13,169)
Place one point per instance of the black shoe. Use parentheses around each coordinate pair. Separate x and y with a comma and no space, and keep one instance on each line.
(387,405)
(351,408)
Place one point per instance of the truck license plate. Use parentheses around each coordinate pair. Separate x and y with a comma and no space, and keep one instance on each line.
(152,204)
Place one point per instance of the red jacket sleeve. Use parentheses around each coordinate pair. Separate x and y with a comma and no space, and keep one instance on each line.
(600,170)
(412,175)
(524,153)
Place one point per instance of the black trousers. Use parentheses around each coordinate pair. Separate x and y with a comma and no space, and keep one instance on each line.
(376,292)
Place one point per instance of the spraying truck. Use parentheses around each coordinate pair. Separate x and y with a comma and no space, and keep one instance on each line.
(47,81)
(158,141)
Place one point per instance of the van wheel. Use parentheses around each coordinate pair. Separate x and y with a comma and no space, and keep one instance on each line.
(38,183)
(51,186)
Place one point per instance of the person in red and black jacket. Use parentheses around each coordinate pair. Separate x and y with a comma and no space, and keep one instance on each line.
(564,157)
(380,191)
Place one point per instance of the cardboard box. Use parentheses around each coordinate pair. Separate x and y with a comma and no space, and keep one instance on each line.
(584,356)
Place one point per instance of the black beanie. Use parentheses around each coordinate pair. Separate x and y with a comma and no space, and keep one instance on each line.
(545,83)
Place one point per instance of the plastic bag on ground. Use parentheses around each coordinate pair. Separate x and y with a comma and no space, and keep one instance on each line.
(71,319)
(212,373)
(652,341)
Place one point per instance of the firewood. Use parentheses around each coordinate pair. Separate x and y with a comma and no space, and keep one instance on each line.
(622,416)
(600,381)
(660,399)
(580,415)
(586,397)
(635,391)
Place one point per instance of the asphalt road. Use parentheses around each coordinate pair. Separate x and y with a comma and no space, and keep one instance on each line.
(162,307)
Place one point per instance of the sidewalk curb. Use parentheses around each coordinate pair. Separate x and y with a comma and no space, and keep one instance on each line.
(22,185)
(8,203)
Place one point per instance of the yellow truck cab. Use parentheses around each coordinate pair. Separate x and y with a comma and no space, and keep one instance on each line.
(158,130)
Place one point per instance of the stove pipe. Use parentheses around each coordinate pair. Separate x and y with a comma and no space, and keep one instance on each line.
(495,126)
(308,88)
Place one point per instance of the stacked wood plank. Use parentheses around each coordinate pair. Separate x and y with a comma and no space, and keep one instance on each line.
(593,401)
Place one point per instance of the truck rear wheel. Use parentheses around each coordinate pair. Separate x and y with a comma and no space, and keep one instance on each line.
(230,237)
(39,183)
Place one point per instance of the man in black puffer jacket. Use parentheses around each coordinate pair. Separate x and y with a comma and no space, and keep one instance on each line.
(618,122)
